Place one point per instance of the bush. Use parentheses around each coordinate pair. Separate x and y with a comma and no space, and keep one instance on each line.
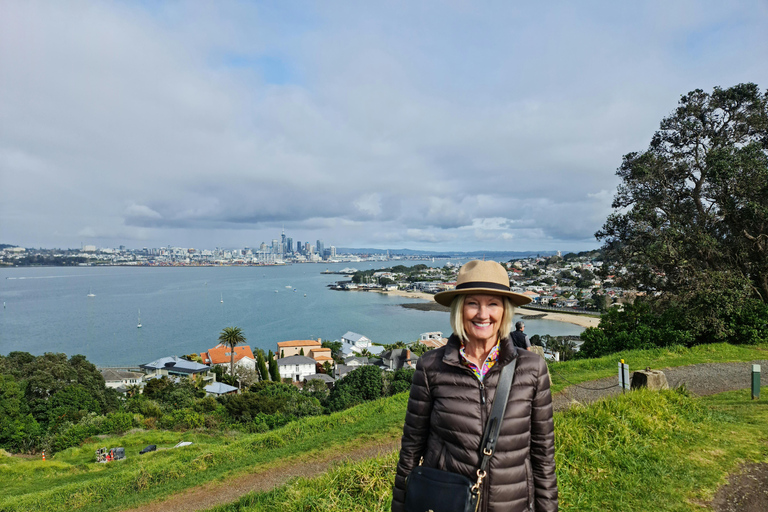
(118,423)
(182,419)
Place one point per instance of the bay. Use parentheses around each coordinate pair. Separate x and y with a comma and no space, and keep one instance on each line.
(183,310)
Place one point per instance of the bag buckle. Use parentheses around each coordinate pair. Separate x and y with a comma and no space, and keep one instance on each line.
(480,475)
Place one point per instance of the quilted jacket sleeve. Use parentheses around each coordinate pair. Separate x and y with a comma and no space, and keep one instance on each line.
(415,433)
(543,444)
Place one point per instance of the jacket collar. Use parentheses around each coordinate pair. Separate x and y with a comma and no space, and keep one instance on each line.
(507,351)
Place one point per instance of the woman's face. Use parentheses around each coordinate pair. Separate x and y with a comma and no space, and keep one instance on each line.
(482,317)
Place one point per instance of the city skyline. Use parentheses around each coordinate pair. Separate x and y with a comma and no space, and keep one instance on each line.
(430,126)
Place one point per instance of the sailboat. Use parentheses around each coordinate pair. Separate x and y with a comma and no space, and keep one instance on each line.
(222,298)
(139,326)
(90,293)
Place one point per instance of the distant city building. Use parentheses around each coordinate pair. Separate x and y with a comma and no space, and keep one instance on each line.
(320,247)
(289,245)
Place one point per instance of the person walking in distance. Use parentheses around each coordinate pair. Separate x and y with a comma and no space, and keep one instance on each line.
(519,338)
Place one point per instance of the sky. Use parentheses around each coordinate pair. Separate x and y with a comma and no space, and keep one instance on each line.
(432,125)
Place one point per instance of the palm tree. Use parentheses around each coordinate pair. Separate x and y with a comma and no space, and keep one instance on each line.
(132,390)
(232,336)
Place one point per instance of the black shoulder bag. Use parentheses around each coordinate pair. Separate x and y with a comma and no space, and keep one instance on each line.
(430,489)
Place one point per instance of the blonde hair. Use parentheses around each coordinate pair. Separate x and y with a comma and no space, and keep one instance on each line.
(457,317)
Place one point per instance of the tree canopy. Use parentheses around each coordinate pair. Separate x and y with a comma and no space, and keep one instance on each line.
(690,223)
(696,201)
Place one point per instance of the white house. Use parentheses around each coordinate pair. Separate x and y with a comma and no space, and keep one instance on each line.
(357,340)
(117,379)
(296,368)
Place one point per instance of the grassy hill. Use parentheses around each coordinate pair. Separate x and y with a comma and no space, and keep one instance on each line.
(641,451)
(636,452)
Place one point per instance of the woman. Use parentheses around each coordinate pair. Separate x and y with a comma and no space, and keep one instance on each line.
(452,392)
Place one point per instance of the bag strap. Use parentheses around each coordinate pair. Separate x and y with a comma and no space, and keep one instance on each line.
(493,426)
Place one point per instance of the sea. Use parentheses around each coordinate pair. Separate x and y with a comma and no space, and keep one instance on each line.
(95,311)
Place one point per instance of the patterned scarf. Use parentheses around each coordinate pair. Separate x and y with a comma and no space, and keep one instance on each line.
(493,356)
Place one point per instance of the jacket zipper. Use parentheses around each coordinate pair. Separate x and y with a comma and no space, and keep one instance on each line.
(483,419)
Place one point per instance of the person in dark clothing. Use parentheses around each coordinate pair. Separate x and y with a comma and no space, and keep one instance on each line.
(453,391)
(519,338)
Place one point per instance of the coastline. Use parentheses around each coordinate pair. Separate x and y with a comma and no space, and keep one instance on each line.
(575,319)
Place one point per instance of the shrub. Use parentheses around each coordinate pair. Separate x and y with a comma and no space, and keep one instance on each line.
(118,423)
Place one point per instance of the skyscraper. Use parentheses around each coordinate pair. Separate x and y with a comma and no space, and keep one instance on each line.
(289,245)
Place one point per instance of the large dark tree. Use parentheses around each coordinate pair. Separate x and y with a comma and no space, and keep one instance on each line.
(692,210)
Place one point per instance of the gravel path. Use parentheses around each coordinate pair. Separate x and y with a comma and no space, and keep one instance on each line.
(700,379)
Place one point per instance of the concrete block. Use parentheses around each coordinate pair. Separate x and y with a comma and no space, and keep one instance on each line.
(651,379)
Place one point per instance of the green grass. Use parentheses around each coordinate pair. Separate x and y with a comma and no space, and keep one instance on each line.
(72,481)
(583,370)
(631,450)
(641,451)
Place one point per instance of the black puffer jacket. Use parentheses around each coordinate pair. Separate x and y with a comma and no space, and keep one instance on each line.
(447,411)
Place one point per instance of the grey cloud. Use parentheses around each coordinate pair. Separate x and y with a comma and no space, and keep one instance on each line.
(447,126)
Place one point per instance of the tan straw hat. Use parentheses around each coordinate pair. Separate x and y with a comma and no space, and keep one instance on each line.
(480,277)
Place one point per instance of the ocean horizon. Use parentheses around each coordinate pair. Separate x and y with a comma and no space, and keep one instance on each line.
(183,309)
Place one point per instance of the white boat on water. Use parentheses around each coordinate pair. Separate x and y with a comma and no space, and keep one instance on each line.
(90,293)
(222,298)
(139,325)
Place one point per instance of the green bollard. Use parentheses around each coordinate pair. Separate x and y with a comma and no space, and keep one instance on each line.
(755,381)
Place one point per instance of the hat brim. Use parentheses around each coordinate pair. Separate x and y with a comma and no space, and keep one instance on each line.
(446,298)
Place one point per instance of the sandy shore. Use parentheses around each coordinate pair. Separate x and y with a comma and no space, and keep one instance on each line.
(581,320)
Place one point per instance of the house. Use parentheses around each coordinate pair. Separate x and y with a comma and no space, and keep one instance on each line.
(221,355)
(531,295)
(327,379)
(120,380)
(321,355)
(177,366)
(357,340)
(397,359)
(343,369)
(350,349)
(296,368)
(432,339)
(296,347)
(219,388)
(355,361)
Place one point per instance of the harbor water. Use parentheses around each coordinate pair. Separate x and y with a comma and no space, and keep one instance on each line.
(94,311)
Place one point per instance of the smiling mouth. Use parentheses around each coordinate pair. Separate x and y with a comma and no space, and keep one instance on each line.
(481,324)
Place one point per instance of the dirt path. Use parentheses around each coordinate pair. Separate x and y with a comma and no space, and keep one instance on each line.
(222,492)
(746,491)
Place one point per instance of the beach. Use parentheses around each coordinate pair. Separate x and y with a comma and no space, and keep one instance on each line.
(580,320)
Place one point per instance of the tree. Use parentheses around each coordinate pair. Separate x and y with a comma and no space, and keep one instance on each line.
(361,384)
(690,226)
(246,376)
(695,203)
(274,371)
(232,336)
(261,365)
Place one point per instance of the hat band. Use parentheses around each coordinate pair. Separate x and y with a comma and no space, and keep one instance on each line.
(482,284)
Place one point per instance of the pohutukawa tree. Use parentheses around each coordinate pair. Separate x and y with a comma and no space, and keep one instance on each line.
(696,201)
(690,221)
